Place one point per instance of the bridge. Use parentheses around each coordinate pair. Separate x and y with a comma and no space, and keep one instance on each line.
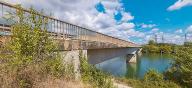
(98,47)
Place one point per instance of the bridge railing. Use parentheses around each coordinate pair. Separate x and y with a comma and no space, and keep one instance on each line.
(64,30)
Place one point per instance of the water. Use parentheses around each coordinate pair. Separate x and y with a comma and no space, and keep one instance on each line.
(118,66)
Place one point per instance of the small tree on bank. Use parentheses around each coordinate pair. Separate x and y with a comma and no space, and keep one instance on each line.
(181,70)
(30,40)
(30,55)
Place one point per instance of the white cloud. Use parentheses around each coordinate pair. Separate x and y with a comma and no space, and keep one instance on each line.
(126,16)
(165,38)
(179,31)
(189,29)
(125,26)
(155,30)
(148,25)
(134,33)
(179,4)
(173,38)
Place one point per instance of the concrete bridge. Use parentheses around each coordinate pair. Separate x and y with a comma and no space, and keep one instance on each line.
(72,38)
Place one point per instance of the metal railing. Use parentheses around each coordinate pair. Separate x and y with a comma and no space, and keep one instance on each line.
(64,30)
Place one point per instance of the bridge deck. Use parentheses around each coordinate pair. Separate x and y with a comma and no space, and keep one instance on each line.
(68,34)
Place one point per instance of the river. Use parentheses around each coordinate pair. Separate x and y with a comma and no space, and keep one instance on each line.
(119,67)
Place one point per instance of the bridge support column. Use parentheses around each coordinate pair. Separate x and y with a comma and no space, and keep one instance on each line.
(132,58)
(139,52)
(72,57)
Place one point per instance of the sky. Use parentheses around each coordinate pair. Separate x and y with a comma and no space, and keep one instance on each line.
(133,20)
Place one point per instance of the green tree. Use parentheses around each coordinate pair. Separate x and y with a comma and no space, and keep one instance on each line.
(181,70)
(153,75)
(31,53)
(165,48)
(151,42)
(30,40)
(187,44)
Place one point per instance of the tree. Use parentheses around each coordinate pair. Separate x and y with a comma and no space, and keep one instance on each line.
(153,75)
(30,41)
(151,42)
(31,54)
(181,70)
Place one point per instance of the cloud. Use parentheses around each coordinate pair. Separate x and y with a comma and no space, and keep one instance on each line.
(133,33)
(179,4)
(179,31)
(125,26)
(189,29)
(165,38)
(126,16)
(155,30)
(148,25)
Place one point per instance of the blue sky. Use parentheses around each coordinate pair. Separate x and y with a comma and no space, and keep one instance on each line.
(157,12)
(134,20)
(168,17)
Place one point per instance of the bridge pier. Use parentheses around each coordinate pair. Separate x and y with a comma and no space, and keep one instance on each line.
(72,58)
(132,58)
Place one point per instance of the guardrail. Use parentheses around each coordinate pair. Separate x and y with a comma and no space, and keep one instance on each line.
(64,30)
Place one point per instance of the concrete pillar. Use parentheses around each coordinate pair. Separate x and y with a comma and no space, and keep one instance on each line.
(139,52)
(72,57)
(132,58)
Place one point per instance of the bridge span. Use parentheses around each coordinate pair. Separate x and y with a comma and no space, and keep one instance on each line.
(72,38)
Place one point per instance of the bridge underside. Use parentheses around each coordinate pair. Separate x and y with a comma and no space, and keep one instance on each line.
(96,56)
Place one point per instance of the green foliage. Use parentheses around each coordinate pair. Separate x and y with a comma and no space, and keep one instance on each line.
(152,79)
(188,44)
(153,75)
(151,42)
(181,70)
(30,42)
(158,48)
(165,48)
(151,49)
(94,76)
(30,55)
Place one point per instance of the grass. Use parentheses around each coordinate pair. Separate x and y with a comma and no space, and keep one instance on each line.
(152,79)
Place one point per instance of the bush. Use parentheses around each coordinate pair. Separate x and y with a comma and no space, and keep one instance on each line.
(30,55)
(166,48)
(181,70)
(94,76)
(151,49)
(152,79)
(153,75)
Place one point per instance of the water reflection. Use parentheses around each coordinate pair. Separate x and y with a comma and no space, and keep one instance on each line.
(118,66)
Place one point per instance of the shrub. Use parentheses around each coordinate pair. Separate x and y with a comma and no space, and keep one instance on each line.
(94,76)
(30,56)
(153,75)
(152,79)
(181,71)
